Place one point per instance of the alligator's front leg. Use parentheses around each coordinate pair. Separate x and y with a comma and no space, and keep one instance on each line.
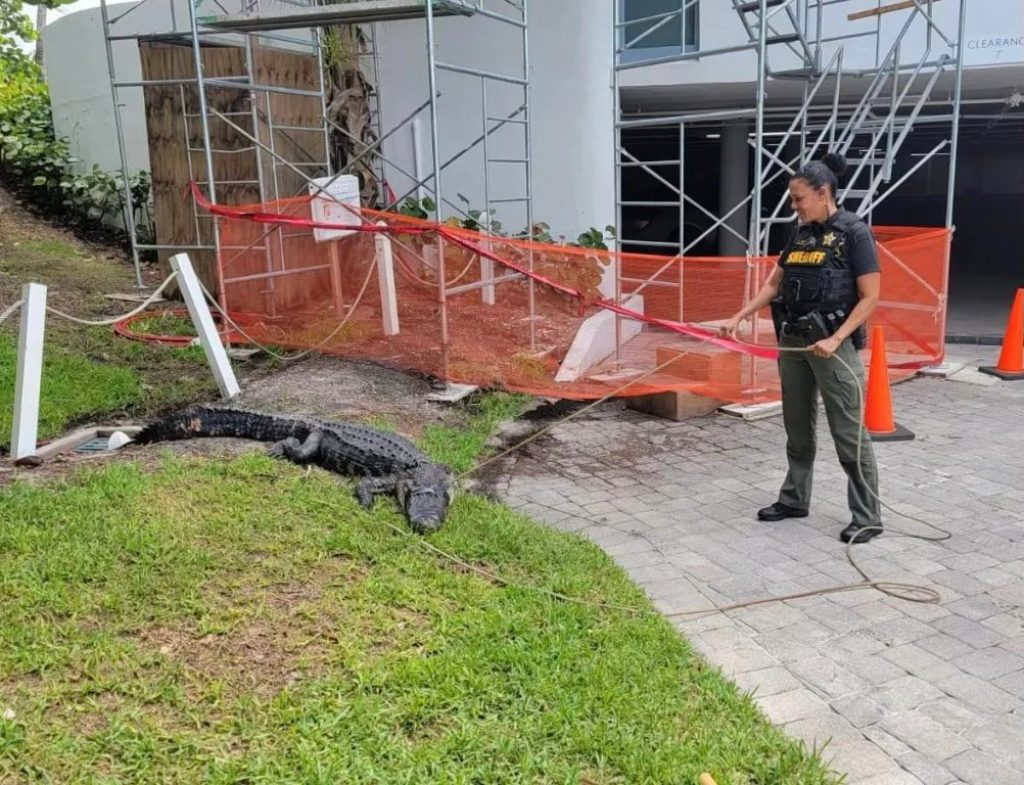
(369,487)
(300,453)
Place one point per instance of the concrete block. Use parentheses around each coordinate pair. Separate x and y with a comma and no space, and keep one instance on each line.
(452,393)
(943,370)
(752,412)
(672,405)
(701,365)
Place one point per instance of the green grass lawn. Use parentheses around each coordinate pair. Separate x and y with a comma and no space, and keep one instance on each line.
(244,621)
(88,372)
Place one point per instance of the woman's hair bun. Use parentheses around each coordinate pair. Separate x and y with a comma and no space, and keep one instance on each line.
(836,162)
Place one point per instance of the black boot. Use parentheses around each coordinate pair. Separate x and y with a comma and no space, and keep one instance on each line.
(859,534)
(779,511)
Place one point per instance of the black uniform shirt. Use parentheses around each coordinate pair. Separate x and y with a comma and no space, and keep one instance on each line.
(859,254)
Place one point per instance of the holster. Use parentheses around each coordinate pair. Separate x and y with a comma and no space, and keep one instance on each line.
(814,326)
(779,313)
(860,338)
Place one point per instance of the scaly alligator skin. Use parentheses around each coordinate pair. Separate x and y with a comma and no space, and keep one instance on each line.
(387,463)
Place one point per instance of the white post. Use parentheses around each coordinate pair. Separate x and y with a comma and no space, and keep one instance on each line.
(30,371)
(487,274)
(203,321)
(487,266)
(386,277)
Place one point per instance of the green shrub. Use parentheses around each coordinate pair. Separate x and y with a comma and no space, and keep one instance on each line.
(37,165)
(32,160)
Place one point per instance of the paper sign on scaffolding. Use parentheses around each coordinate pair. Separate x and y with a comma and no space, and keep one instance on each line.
(339,205)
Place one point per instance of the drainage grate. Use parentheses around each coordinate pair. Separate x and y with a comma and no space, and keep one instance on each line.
(99,444)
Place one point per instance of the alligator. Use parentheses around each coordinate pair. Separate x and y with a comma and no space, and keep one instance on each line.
(386,463)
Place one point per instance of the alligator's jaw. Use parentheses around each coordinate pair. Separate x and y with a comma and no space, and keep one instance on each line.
(425,525)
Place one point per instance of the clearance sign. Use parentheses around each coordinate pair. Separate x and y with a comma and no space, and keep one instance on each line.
(995,48)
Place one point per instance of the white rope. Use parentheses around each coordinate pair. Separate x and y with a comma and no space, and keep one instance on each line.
(310,350)
(107,322)
(7,314)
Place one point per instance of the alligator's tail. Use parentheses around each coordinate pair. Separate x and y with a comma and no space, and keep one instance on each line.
(199,421)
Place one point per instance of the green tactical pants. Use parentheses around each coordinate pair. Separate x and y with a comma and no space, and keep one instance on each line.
(803,375)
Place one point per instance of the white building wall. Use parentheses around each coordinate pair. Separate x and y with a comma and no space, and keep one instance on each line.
(83,109)
(571,108)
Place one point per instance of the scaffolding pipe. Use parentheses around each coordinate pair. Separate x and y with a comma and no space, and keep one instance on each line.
(617,152)
(128,213)
(438,193)
(271,293)
(955,131)
(682,211)
(755,212)
(133,7)
(692,117)
(652,30)
(453,159)
(528,154)
(871,205)
(197,58)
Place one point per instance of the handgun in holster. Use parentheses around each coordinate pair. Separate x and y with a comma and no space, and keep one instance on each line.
(810,327)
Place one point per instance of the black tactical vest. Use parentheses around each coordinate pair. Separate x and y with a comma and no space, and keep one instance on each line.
(817,275)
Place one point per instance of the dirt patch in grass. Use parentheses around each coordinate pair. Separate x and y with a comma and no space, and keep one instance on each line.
(287,634)
(260,658)
(351,391)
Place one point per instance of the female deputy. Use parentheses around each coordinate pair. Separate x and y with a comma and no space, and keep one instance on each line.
(823,289)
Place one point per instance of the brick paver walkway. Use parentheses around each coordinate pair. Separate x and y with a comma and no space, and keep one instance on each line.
(907,693)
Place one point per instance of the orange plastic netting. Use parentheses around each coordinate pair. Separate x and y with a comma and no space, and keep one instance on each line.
(283,288)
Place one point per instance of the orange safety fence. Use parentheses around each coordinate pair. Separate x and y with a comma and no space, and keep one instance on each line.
(531,317)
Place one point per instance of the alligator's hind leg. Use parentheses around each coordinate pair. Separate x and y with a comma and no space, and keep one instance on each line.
(283,448)
(300,453)
(369,487)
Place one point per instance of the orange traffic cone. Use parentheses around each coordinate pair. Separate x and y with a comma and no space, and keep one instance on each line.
(878,403)
(1011,358)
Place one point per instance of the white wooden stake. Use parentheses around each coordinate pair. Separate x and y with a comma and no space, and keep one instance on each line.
(487,274)
(30,371)
(203,321)
(386,277)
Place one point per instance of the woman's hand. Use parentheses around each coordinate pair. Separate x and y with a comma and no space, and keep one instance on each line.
(827,347)
(728,330)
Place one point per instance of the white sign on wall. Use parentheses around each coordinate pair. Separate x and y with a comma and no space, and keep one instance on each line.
(994,48)
(340,205)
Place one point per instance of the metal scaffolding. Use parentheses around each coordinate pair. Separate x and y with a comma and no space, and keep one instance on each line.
(298,25)
(899,95)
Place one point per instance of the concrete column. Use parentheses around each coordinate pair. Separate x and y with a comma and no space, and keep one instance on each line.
(573,131)
(734,172)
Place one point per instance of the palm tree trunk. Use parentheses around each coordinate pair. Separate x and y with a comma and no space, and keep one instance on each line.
(348,107)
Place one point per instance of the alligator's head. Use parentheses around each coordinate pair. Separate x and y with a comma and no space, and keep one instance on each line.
(425,493)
